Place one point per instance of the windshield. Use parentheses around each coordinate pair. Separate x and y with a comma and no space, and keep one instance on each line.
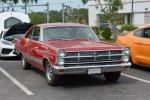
(64,33)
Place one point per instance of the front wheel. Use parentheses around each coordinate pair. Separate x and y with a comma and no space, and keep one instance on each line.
(112,76)
(51,77)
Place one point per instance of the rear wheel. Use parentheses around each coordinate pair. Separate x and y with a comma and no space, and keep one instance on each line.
(51,77)
(25,64)
(112,76)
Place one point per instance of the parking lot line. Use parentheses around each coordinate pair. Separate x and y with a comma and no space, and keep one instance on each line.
(136,78)
(16,82)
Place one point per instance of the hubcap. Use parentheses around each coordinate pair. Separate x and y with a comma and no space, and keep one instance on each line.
(49,72)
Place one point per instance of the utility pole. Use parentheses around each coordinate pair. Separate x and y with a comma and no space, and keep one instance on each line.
(63,12)
(48,17)
(25,6)
(132,12)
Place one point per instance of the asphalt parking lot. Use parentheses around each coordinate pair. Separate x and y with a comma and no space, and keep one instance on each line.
(18,84)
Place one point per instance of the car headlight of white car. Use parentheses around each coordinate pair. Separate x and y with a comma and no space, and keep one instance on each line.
(6,42)
(126,54)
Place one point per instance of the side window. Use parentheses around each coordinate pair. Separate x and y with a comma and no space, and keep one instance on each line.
(147,33)
(139,33)
(36,34)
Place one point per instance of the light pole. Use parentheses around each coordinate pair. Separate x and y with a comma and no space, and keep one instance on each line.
(132,11)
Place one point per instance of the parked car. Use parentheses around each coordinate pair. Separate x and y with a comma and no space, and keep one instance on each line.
(64,49)
(8,19)
(8,37)
(139,43)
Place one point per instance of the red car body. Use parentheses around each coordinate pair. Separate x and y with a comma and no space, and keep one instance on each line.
(37,53)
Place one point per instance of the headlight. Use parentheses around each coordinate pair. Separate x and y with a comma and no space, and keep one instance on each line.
(60,57)
(126,51)
(6,42)
(126,54)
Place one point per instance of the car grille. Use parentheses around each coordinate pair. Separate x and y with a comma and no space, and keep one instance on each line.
(93,57)
(6,51)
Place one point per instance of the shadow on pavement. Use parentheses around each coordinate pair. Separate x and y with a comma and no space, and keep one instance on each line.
(10,59)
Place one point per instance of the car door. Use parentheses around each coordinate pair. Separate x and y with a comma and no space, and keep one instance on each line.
(143,46)
(35,47)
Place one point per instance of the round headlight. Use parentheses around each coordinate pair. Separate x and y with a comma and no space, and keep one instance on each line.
(61,53)
(61,62)
(125,59)
(126,51)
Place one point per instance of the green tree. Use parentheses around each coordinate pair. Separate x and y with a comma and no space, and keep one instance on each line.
(110,10)
(84,1)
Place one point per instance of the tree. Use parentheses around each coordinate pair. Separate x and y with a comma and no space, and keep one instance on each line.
(84,1)
(110,10)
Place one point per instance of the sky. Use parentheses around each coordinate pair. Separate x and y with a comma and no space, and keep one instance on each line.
(54,5)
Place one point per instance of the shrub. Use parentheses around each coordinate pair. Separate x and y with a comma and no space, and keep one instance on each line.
(96,30)
(128,27)
(106,34)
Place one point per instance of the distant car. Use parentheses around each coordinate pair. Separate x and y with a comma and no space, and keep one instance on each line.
(65,49)
(139,43)
(8,37)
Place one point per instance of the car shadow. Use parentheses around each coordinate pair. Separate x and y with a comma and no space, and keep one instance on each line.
(77,81)
(10,58)
(142,68)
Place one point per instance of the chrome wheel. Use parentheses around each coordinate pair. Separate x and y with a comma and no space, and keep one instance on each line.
(51,77)
(49,72)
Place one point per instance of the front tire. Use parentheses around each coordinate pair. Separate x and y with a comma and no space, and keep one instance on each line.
(25,64)
(112,76)
(51,77)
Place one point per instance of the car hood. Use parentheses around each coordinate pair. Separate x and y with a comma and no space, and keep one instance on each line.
(74,45)
(19,28)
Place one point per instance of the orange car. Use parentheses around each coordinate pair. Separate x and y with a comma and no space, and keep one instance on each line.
(139,43)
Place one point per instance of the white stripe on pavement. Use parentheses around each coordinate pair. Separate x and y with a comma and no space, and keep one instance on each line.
(136,78)
(17,83)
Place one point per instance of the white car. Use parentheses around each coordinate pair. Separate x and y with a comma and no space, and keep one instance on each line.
(7,38)
(7,20)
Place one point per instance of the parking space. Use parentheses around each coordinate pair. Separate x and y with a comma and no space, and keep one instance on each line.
(75,88)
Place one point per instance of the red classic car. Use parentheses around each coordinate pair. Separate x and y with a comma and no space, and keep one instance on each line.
(64,49)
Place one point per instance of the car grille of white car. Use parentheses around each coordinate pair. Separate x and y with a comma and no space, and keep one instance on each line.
(6,51)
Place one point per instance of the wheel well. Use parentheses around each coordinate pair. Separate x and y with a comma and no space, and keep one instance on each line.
(44,62)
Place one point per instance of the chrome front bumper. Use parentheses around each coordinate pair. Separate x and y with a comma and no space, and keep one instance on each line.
(84,69)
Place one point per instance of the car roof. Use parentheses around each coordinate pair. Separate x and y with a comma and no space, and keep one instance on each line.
(60,25)
(145,26)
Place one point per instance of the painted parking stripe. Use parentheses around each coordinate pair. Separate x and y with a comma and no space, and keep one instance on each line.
(136,78)
(17,83)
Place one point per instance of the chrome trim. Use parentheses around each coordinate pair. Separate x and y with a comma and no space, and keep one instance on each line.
(94,66)
(94,62)
(84,69)
(94,56)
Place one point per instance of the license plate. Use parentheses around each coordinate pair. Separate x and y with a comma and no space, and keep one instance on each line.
(94,71)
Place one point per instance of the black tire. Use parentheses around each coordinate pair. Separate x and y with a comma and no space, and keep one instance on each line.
(51,77)
(112,76)
(25,64)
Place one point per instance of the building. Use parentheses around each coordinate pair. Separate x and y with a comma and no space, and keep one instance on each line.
(140,9)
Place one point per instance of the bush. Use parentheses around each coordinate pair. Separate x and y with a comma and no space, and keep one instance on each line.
(128,27)
(96,30)
(106,34)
